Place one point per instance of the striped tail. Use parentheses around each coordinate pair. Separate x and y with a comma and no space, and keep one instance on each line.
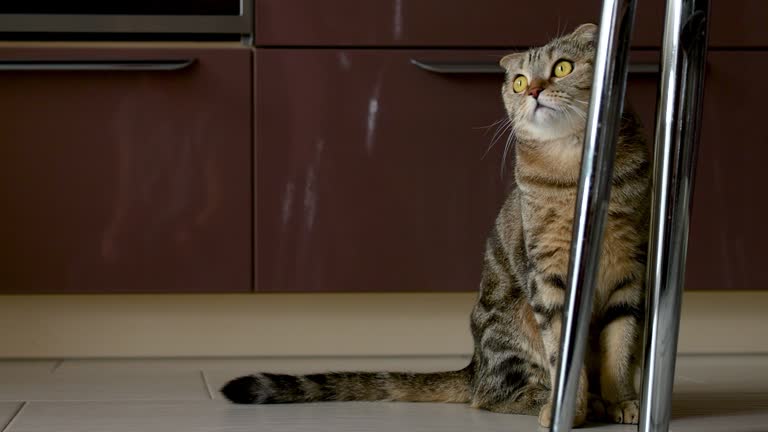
(265,388)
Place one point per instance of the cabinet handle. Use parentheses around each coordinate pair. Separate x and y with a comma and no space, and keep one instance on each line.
(494,68)
(94,65)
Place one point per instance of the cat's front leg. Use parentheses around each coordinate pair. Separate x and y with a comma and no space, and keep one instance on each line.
(620,322)
(547,301)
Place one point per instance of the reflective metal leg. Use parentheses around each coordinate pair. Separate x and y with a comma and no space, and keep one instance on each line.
(677,126)
(608,86)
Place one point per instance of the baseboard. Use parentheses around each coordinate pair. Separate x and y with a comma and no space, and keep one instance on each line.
(66,326)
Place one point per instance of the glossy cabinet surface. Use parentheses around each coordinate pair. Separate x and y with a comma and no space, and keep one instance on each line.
(727,237)
(368,172)
(371,175)
(728,226)
(126,181)
(487,23)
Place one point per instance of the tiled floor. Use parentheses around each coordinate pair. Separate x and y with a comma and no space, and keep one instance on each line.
(713,393)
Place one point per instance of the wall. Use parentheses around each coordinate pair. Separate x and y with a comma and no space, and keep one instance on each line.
(308,324)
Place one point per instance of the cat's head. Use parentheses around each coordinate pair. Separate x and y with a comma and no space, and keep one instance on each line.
(547,89)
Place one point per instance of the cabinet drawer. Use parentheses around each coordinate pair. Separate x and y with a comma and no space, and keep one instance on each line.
(370,171)
(491,23)
(125,181)
(728,231)
(371,175)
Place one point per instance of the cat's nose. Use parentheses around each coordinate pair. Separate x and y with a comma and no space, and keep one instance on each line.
(534,91)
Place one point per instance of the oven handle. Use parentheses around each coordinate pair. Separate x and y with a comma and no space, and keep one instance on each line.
(494,68)
(95,65)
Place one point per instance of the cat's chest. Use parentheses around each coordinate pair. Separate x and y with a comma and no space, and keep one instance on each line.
(548,233)
(548,218)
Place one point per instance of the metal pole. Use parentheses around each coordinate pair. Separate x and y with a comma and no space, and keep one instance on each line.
(607,100)
(677,131)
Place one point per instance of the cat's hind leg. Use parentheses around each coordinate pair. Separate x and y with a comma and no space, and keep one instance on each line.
(528,401)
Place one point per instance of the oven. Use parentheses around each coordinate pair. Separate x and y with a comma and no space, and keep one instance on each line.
(222,17)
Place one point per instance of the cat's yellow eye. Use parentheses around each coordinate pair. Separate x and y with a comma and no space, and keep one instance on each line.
(520,84)
(562,68)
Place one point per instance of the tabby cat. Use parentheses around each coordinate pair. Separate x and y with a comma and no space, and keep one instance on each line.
(516,320)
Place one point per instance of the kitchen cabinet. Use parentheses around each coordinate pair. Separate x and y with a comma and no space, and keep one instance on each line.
(725,250)
(388,238)
(429,23)
(125,167)
(490,23)
(372,173)
(323,158)
(728,229)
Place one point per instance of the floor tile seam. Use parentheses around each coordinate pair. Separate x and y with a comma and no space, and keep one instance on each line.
(13,418)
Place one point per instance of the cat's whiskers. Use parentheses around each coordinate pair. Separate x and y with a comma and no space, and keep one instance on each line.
(567,114)
(488,127)
(578,111)
(506,151)
(500,128)
(500,131)
(510,139)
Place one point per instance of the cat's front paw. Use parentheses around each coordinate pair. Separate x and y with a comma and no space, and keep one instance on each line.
(545,416)
(597,408)
(626,412)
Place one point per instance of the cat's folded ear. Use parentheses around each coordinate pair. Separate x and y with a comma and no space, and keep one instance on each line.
(509,59)
(586,32)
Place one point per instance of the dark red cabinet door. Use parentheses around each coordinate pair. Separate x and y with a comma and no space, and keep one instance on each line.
(428,23)
(487,23)
(376,175)
(129,181)
(371,173)
(728,233)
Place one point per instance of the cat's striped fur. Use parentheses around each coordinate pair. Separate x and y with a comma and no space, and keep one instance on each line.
(516,320)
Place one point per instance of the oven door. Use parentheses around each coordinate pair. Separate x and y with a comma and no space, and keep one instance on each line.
(127,16)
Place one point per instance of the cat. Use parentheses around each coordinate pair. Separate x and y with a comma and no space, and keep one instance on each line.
(516,320)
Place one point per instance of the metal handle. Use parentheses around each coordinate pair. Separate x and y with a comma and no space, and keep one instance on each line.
(94,65)
(494,68)
(459,67)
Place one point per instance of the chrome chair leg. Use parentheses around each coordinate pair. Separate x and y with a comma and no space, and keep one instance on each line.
(677,131)
(608,87)
(678,112)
